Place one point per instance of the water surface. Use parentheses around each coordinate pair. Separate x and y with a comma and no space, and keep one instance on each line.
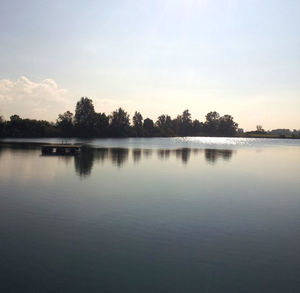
(151,215)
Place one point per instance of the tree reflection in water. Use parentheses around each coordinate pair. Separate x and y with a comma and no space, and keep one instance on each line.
(137,155)
(118,156)
(147,153)
(211,155)
(85,160)
(184,154)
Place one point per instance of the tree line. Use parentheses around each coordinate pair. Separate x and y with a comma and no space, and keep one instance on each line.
(88,123)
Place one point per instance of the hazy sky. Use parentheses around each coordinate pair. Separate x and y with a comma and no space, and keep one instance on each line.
(237,57)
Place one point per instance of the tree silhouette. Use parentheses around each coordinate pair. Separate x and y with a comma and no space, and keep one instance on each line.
(259,128)
(64,123)
(227,126)
(149,127)
(87,123)
(84,117)
(138,124)
(2,126)
(212,123)
(119,123)
(198,127)
(119,156)
(101,124)
(137,155)
(183,124)
(164,124)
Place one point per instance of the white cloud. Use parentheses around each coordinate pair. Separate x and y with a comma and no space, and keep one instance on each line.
(28,99)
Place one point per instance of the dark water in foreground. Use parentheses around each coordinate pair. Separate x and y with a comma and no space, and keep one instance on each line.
(189,215)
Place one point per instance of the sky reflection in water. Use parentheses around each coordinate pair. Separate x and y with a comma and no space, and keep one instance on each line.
(135,219)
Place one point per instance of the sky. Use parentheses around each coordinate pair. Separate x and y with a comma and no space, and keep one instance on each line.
(235,57)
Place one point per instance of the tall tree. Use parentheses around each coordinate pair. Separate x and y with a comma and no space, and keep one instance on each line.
(137,119)
(138,124)
(164,124)
(15,126)
(184,122)
(84,117)
(101,124)
(198,128)
(259,128)
(227,127)
(64,123)
(149,127)
(119,123)
(212,123)
(186,117)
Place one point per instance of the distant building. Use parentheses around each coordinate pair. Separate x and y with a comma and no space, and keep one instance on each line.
(240,130)
(282,131)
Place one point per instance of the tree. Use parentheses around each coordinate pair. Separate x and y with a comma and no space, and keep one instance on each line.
(137,119)
(64,123)
(15,126)
(184,124)
(18,127)
(164,124)
(119,123)
(84,117)
(15,118)
(198,127)
(259,128)
(212,116)
(149,127)
(101,124)
(164,121)
(212,123)
(2,126)
(186,117)
(227,127)
(138,124)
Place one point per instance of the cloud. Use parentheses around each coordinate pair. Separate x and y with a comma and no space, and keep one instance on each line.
(28,99)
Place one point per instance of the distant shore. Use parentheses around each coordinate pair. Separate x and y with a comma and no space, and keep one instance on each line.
(271,136)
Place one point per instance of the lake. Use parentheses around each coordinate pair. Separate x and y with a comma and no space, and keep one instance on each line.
(151,215)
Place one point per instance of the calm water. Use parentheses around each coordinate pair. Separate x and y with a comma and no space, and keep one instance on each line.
(151,215)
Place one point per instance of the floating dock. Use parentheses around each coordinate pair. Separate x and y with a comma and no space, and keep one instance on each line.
(60,149)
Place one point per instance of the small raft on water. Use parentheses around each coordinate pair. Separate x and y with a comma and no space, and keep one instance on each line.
(60,149)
